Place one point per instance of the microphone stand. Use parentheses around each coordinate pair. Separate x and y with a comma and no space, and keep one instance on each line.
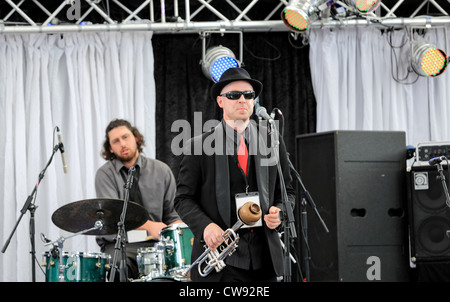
(288,219)
(121,235)
(304,215)
(444,184)
(303,210)
(30,206)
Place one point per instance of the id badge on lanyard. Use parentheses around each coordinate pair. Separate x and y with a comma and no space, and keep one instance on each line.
(241,199)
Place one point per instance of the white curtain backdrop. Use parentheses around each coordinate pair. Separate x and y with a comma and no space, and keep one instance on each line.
(354,72)
(78,82)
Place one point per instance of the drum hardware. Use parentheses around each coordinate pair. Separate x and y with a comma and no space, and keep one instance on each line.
(248,214)
(160,279)
(176,241)
(59,243)
(79,215)
(167,258)
(54,253)
(104,214)
(150,261)
(169,246)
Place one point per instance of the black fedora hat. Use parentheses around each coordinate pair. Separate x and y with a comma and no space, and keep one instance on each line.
(232,75)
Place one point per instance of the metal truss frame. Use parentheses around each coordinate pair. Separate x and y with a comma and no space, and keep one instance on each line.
(194,16)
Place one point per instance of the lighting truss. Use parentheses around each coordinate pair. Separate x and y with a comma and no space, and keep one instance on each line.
(194,16)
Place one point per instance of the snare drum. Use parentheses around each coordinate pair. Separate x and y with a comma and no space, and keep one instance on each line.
(150,261)
(177,240)
(78,266)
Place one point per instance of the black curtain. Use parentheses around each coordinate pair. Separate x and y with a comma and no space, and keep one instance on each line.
(277,59)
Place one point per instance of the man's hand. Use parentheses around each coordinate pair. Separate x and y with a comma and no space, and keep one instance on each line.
(272,219)
(152,228)
(213,235)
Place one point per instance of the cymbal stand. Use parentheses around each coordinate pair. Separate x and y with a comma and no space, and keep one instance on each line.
(60,241)
(120,241)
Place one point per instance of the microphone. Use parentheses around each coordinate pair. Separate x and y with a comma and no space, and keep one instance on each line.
(61,149)
(261,112)
(436,160)
(276,114)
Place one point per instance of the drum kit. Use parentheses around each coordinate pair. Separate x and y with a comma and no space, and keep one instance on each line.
(170,257)
(163,262)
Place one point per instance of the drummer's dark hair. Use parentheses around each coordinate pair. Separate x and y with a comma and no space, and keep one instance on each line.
(106,153)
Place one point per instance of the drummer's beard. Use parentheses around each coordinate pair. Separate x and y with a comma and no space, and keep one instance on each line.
(128,158)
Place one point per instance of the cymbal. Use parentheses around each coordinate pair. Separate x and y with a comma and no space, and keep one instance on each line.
(82,215)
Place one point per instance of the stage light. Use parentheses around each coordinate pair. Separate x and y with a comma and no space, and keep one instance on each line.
(427,59)
(217,60)
(363,6)
(299,14)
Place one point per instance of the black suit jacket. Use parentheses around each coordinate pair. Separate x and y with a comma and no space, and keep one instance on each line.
(203,194)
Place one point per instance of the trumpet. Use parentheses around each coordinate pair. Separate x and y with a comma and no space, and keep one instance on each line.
(249,213)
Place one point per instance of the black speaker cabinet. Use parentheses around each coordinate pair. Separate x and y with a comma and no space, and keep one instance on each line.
(357,180)
(429,214)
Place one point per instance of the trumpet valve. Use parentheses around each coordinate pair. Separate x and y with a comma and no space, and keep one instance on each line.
(215,261)
(219,265)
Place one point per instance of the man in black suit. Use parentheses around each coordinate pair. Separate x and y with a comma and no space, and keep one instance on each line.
(209,181)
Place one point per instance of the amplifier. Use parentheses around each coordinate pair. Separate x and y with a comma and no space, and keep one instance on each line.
(428,150)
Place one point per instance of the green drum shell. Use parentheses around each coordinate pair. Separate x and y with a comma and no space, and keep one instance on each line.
(177,240)
(78,267)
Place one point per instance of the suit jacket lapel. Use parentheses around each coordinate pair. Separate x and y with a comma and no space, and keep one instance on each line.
(261,169)
(222,182)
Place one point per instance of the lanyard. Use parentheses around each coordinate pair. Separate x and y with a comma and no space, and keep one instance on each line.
(242,172)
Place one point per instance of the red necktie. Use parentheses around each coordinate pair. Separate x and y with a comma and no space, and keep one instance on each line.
(243,155)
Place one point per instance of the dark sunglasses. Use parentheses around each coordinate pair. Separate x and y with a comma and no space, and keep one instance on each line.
(236,95)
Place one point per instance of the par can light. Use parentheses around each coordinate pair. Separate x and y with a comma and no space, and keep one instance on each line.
(427,60)
(217,60)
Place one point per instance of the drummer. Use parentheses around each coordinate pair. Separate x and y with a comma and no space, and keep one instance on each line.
(154,187)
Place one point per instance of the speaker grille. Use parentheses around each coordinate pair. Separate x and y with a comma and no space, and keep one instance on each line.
(429,215)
